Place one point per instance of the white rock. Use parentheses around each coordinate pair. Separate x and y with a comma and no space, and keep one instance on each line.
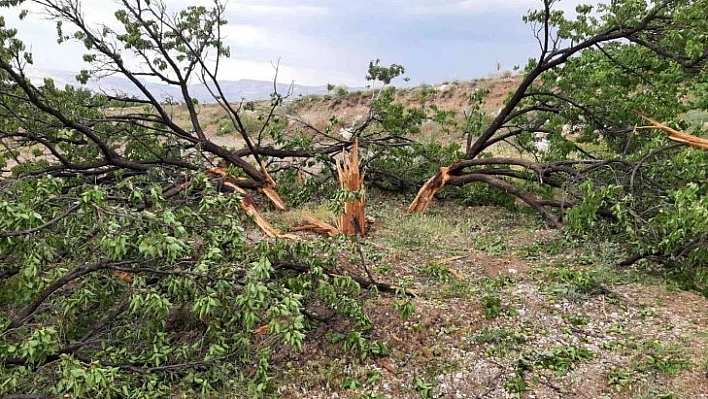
(346,134)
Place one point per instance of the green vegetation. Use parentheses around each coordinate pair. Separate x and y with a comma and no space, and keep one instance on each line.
(131,266)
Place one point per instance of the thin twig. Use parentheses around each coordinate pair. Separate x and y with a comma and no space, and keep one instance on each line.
(45,225)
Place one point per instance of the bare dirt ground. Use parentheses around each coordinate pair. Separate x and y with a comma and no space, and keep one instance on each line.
(317,110)
(507,308)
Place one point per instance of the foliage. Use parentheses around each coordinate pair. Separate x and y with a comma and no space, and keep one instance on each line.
(384,74)
(299,188)
(560,359)
(406,168)
(127,270)
(500,342)
(177,291)
(651,198)
(601,175)
(424,388)
(655,358)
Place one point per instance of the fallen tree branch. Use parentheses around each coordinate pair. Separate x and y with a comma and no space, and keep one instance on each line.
(25,313)
(674,134)
(633,259)
(248,204)
(364,283)
(43,226)
(177,273)
(316,226)
(509,188)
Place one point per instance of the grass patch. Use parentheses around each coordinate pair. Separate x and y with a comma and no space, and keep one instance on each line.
(491,245)
(543,248)
(421,231)
(498,283)
(437,272)
(452,289)
(579,283)
(649,359)
(659,358)
(295,216)
(560,359)
(500,342)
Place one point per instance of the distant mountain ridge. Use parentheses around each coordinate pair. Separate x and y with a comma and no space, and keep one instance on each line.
(234,90)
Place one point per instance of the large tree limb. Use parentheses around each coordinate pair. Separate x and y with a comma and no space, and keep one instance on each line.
(430,188)
(509,188)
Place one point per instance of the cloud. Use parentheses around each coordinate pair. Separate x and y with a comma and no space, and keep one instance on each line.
(333,41)
(473,7)
(235,69)
(467,7)
(292,12)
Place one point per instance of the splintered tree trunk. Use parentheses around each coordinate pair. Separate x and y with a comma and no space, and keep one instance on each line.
(427,192)
(353,220)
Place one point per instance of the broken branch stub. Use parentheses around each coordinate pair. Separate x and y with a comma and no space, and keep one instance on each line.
(248,205)
(316,226)
(430,188)
(674,134)
(269,190)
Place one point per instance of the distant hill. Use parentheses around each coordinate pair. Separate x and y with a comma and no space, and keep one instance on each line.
(234,90)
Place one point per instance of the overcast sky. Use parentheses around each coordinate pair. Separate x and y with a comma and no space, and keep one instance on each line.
(332,41)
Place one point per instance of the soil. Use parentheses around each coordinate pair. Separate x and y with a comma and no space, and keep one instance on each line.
(632,336)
